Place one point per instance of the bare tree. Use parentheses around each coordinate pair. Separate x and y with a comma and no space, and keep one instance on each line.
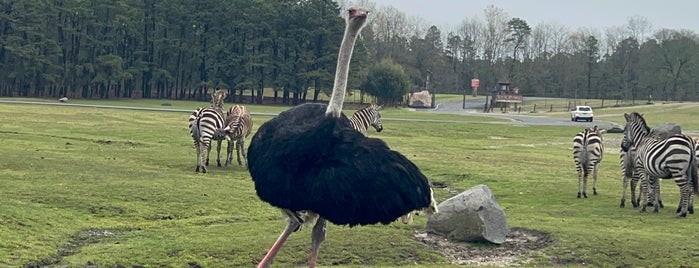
(638,27)
(473,42)
(391,31)
(612,37)
(560,39)
(495,32)
(539,44)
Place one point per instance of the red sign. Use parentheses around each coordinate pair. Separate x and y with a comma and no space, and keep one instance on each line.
(475,83)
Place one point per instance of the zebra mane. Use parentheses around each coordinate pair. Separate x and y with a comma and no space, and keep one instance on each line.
(638,118)
(370,107)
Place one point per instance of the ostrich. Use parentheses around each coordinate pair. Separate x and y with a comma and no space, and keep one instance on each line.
(309,162)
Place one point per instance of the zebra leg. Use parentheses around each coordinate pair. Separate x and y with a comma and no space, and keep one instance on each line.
(657,195)
(584,190)
(643,192)
(208,153)
(690,206)
(634,200)
(682,208)
(229,152)
(218,152)
(240,149)
(685,195)
(594,179)
(652,195)
(204,148)
(624,185)
(196,147)
(580,180)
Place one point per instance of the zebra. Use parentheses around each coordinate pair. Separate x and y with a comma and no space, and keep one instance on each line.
(588,150)
(627,154)
(656,158)
(204,124)
(237,127)
(365,117)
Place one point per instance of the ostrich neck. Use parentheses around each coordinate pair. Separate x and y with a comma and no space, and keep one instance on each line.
(341,73)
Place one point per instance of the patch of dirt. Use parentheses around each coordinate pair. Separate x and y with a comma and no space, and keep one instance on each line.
(77,241)
(514,252)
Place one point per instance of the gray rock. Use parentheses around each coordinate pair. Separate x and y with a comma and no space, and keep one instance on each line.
(421,99)
(663,131)
(471,216)
(615,128)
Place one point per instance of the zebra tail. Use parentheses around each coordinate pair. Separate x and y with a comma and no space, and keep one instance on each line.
(196,133)
(585,160)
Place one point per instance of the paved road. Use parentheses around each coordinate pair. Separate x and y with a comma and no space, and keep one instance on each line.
(475,107)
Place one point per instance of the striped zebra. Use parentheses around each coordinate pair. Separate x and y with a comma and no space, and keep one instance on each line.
(237,127)
(588,150)
(204,124)
(365,117)
(627,154)
(656,158)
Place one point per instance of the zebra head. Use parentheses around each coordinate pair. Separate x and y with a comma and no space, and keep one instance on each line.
(238,122)
(376,117)
(635,129)
(217,98)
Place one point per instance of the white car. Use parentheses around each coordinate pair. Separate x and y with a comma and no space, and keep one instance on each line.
(581,113)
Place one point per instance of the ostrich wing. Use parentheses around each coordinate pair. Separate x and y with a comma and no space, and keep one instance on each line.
(303,160)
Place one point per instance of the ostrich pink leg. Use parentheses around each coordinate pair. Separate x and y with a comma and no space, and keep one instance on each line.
(291,226)
(317,237)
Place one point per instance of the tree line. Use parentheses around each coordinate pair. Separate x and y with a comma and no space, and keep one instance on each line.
(284,50)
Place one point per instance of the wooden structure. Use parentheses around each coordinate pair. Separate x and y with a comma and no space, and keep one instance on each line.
(503,95)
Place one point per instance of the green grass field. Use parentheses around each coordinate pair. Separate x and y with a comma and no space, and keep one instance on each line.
(116,188)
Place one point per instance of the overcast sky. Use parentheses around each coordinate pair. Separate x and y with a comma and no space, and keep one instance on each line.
(596,14)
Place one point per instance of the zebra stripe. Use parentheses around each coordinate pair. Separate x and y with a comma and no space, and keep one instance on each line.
(204,124)
(237,127)
(656,158)
(365,117)
(204,130)
(588,149)
(627,154)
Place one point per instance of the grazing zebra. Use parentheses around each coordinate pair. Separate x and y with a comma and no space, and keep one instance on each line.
(588,150)
(656,158)
(365,117)
(203,126)
(237,127)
